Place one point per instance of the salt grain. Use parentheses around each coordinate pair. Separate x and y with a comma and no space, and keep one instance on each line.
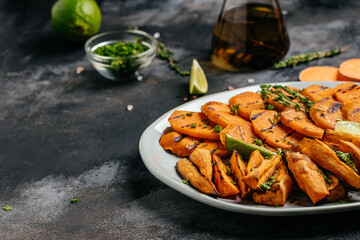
(156,35)
(129,107)
(251,80)
(140,78)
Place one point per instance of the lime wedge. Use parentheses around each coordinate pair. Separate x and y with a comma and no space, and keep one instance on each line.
(348,127)
(245,149)
(198,82)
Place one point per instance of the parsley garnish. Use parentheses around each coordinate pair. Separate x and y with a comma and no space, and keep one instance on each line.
(276,116)
(327,180)
(7,208)
(257,142)
(189,114)
(217,128)
(347,159)
(193,125)
(74,200)
(267,186)
(234,109)
(272,121)
(186,181)
(269,107)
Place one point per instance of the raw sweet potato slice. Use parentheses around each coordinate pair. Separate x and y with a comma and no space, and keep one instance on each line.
(242,132)
(319,73)
(246,102)
(189,172)
(202,159)
(300,122)
(269,128)
(260,175)
(335,187)
(333,137)
(272,99)
(179,144)
(318,92)
(325,113)
(307,176)
(215,147)
(279,191)
(349,70)
(238,167)
(346,92)
(349,147)
(193,124)
(224,184)
(326,158)
(220,113)
(255,160)
(351,111)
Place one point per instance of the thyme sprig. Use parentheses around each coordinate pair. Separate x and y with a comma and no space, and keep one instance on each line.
(307,57)
(166,54)
(267,186)
(287,99)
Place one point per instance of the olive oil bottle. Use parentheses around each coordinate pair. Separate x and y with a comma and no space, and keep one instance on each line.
(248,35)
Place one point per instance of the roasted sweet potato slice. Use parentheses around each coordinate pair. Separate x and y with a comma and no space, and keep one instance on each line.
(242,132)
(193,124)
(260,175)
(220,113)
(279,191)
(325,113)
(300,122)
(271,99)
(255,160)
(268,126)
(188,171)
(224,183)
(318,92)
(246,102)
(179,144)
(333,137)
(346,92)
(326,158)
(349,147)
(214,146)
(202,159)
(238,167)
(307,176)
(335,187)
(351,110)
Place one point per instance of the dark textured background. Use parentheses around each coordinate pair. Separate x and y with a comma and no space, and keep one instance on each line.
(65,135)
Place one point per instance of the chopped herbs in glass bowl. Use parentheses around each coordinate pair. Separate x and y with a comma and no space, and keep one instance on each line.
(118,54)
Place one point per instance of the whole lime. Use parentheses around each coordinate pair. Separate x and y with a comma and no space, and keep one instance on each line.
(76,20)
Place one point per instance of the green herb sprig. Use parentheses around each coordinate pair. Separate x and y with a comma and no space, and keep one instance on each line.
(326,178)
(307,57)
(267,186)
(347,159)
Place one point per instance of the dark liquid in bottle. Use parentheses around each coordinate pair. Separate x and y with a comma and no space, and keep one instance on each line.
(250,36)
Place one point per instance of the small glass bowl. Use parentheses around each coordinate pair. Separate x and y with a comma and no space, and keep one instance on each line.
(109,66)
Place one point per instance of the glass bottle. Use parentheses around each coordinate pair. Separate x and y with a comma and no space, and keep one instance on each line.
(249,34)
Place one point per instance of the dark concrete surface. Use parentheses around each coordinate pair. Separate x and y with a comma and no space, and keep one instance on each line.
(65,135)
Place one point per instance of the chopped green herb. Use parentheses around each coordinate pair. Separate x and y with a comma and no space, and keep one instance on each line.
(257,142)
(269,107)
(318,109)
(322,114)
(267,186)
(189,114)
(234,182)
(205,126)
(204,145)
(193,125)
(327,180)
(215,149)
(276,116)
(251,169)
(74,200)
(347,159)
(272,121)
(183,117)
(88,207)
(277,140)
(217,128)
(297,117)
(234,109)
(7,208)
(186,181)
(342,201)
(228,170)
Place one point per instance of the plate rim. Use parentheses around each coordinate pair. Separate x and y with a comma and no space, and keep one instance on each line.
(211,201)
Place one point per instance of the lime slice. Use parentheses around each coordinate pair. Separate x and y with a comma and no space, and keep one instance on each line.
(245,149)
(348,127)
(198,82)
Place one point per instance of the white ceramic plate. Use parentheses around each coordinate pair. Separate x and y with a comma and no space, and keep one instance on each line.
(162,165)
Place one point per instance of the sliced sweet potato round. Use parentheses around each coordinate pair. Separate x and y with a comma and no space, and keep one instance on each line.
(300,122)
(351,111)
(325,113)
(246,102)
(318,92)
(349,70)
(269,128)
(194,124)
(319,73)
(220,113)
(179,144)
(346,92)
